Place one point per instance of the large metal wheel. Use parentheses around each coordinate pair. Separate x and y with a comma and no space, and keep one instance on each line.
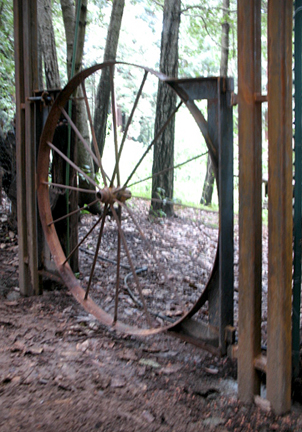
(130,276)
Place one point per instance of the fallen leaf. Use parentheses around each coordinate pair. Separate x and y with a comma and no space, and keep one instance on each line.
(148,416)
(34,351)
(263,404)
(117,382)
(148,362)
(18,346)
(173,313)
(212,371)
(83,346)
(127,355)
(171,369)
(11,303)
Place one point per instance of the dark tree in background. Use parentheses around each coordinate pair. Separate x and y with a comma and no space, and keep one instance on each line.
(48,45)
(208,185)
(163,154)
(103,92)
(8,172)
(84,160)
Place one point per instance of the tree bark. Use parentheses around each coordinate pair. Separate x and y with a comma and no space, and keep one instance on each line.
(225,39)
(85,161)
(163,153)
(208,186)
(69,18)
(103,91)
(58,169)
(48,45)
(69,12)
(8,172)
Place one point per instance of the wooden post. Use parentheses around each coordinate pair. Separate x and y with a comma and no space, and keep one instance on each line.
(226,211)
(26,65)
(250,178)
(280,196)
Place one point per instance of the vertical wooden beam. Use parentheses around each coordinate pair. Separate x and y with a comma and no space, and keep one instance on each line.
(25,25)
(226,211)
(214,134)
(250,178)
(280,204)
(220,129)
(297,230)
(20,147)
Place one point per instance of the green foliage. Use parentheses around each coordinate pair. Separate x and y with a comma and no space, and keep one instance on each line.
(85,210)
(7,66)
(199,55)
(157,213)
(200,37)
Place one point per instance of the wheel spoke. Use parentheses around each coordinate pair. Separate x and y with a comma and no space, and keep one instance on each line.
(167,201)
(94,141)
(73,212)
(159,265)
(83,239)
(128,125)
(79,135)
(168,169)
(62,186)
(152,143)
(89,179)
(148,317)
(113,109)
(102,258)
(96,250)
(117,271)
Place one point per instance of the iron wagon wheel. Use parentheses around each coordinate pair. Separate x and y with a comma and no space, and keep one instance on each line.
(104,290)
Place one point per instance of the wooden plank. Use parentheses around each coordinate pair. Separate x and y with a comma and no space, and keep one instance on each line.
(20,149)
(226,211)
(30,84)
(25,27)
(279,204)
(250,178)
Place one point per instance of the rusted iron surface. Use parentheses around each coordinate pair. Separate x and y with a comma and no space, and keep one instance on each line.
(250,177)
(280,20)
(108,195)
(277,365)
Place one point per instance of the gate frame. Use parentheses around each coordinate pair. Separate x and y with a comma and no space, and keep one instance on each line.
(277,364)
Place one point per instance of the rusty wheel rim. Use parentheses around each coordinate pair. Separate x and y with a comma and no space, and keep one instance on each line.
(114,195)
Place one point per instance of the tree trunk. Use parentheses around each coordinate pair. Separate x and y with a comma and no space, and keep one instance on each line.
(163,153)
(69,12)
(41,84)
(69,18)
(67,232)
(208,185)
(84,159)
(225,39)
(48,44)
(8,172)
(103,92)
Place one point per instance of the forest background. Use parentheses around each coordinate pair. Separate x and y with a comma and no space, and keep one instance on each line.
(200,46)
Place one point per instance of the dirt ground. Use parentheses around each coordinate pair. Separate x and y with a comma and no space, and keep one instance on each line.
(61,370)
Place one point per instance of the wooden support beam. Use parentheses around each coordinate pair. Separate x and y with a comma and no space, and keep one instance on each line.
(226,211)
(279,347)
(250,179)
(26,65)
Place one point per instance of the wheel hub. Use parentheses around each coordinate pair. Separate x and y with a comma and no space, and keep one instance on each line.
(109,195)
